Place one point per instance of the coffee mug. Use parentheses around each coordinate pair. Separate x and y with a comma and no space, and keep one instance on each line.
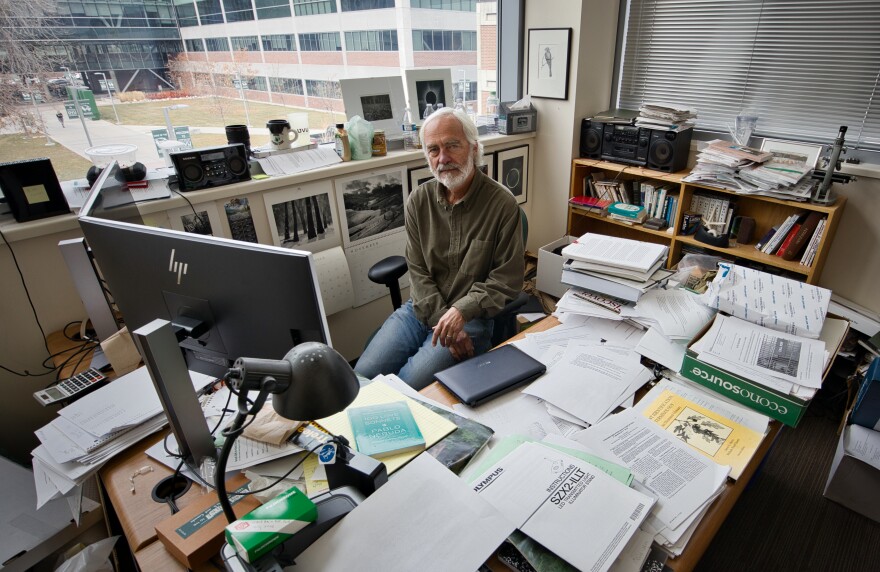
(239,134)
(279,133)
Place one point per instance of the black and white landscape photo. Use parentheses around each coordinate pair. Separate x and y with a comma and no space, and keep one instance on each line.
(373,205)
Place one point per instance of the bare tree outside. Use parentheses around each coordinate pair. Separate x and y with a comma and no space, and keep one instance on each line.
(24,70)
(195,78)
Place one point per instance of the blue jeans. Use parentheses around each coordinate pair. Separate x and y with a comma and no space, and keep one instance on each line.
(403,346)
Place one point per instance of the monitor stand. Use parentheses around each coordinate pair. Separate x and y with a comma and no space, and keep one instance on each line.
(158,346)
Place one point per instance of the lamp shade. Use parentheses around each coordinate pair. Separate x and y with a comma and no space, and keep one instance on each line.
(322,383)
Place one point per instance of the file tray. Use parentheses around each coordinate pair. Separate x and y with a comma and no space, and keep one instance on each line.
(774,404)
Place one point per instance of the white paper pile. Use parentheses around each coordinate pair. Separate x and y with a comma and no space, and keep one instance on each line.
(96,427)
(666,116)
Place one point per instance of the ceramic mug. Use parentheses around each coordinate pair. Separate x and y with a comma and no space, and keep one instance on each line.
(279,134)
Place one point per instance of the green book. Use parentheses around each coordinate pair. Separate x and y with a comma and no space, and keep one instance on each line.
(385,429)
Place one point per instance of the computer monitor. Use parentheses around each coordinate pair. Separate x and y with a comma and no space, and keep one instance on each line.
(226,299)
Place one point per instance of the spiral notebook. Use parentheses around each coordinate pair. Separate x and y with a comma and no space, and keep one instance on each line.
(487,376)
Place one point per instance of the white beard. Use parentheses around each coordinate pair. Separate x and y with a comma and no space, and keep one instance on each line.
(456,175)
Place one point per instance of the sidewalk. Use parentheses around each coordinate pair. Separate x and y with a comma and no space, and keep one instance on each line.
(106,132)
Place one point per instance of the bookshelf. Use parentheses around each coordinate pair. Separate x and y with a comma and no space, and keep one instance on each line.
(766,211)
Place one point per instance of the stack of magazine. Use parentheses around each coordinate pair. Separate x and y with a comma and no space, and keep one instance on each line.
(616,267)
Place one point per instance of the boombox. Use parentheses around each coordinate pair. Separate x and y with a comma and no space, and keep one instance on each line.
(655,149)
(211,166)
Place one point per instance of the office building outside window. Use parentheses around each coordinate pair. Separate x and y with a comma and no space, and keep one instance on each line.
(245,43)
(217,44)
(268,9)
(196,45)
(354,5)
(311,7)
(371,41)
(320,42)
(186,13)
(286,85)
(238,10)
(209,12)
(279,43)
(461,5)
(444,40)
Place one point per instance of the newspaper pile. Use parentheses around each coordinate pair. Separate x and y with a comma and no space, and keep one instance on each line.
(753,172)
(666,116)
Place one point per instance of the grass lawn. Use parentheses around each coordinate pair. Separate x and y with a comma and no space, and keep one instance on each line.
(67,164)
(208,112)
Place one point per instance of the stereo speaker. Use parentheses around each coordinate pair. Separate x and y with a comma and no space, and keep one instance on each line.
(668,150)
(211,167)
(591,139)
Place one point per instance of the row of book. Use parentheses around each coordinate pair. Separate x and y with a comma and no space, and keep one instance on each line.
(715,212)
(797,237)
(600,193)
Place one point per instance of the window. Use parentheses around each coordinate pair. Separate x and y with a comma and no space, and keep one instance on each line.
(323,88)
(217,44)
(309,7)
(371,41)
(286,85)
(267,9)
(186,13)
(209,12)
(463,5)
(444,40)
(805,68)
(257,83)
(353,5)
(320,42)
(238,10)
(279,43)
(246,43)
(196,45)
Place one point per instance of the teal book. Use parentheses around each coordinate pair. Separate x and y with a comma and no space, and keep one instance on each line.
(385,429)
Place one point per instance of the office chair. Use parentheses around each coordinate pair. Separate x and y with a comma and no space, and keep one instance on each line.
(390,270)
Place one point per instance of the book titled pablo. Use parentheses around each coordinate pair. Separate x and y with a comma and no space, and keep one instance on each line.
(385,429)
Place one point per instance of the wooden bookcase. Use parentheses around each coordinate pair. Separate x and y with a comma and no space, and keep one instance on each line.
(766,211)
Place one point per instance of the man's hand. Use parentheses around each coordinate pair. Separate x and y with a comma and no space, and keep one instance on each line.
(462,347)
(446,331)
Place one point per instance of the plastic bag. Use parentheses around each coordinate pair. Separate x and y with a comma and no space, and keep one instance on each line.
(92,558)
(360,137)
(695,271)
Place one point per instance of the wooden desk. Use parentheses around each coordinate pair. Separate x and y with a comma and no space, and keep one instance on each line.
(716,514)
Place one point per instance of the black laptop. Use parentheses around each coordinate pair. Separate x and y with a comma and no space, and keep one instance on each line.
(487,376)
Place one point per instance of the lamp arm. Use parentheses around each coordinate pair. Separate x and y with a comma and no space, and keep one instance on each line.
(231,433)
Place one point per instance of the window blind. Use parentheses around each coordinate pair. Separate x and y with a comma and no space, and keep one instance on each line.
(806,67)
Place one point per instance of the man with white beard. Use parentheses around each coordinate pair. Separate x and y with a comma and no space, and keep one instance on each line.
(464,252)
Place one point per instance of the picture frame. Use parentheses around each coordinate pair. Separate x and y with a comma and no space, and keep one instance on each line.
(379,100)
(811,151)
(371,205)
(304,217)
(512,168)
(489,164)
(32,189)
(418,176)
(425,86)
(548,57)
(184,219)
(240,219)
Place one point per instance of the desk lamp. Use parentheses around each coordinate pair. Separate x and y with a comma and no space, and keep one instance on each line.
(312,381)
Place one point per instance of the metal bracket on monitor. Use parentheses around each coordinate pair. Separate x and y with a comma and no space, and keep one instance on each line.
(88,285)
(162,356)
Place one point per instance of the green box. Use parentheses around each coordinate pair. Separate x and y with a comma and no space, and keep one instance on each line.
(772,403)
(267,526)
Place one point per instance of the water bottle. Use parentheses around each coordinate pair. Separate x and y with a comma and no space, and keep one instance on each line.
(406,125)
(429,109)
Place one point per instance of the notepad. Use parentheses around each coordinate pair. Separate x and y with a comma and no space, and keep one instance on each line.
(487,376)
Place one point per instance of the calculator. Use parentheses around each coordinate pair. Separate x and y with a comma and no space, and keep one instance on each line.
(71,388)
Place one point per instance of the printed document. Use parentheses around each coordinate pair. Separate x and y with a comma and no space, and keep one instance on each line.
(759,353)
(615,252)
(572,508)
(682,479)
(678,313)
(424,509)
(778,303)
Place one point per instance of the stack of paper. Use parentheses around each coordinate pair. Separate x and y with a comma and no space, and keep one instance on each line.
(667,116)
(684,482)
(95,428)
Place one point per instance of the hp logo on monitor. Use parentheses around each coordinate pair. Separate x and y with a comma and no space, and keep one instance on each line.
(176,267)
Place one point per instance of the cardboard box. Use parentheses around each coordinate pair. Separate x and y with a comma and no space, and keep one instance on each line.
(195,534)
(550,267)
(772,403)
(853,481)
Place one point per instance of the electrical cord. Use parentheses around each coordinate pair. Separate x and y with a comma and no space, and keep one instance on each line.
(33,309)
(202,222)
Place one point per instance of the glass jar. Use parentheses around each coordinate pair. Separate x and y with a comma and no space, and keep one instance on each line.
(380,145)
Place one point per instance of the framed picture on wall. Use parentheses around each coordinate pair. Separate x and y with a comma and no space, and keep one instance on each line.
(488,166)
(513,171)
(418,176)
(304,217)
(548,62)
(428,87)
(203,218)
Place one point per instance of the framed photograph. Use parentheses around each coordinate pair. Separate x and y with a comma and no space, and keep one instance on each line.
(241,220)
(810,151)
(417,176)
(425,87)
(548,62)
(303,217)
(513,171)
(32,189)
(205,219)
(379,100)
(489,164)
(373,204)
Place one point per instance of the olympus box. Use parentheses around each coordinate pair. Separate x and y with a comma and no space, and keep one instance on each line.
(267,526)
(774,404)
